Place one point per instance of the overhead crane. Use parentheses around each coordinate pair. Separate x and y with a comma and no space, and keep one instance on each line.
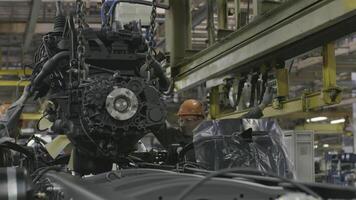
(290,30)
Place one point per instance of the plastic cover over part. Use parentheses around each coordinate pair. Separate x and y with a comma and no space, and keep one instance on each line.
(245,143)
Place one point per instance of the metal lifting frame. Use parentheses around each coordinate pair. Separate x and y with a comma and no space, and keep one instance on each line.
(285,33)
(330,93)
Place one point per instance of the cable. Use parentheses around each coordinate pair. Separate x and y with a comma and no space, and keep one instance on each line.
(194,186)
(18,148)
(38,123)
(41,173)
(188,164)
(89,137)
(37,170)
(36,140)
(102,69)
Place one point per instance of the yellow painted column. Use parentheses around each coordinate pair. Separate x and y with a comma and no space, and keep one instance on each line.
(214,102)
(331,93)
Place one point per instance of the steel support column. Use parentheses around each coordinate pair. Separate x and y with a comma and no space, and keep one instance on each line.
(222,14)
(188,24)
(210,22)
(177,27)
(31,25)
(197,17)
(256,7)
(237,13)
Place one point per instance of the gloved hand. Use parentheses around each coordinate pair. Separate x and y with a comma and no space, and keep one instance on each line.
(267,98)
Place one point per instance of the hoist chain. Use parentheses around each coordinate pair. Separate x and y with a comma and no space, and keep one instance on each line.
(81,23)
(151,36)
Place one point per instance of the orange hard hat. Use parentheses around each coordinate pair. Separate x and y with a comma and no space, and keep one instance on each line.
(191,107)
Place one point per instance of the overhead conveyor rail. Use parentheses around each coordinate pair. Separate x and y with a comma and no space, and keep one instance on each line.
(292,29)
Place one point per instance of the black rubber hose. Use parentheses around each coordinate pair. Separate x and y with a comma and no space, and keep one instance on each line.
(49,66)
(18,148)
(240,89)
(164,82)
(254,80)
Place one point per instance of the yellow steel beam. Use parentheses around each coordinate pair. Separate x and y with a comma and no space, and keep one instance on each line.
(282,87)
(329,66)
(14,83)
(304,107)
(319,128)
(282,82)
(331,93)
(304,104)
(214,102)
(18,72)
(31,116)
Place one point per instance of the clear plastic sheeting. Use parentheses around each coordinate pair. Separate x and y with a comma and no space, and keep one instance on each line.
(245,143)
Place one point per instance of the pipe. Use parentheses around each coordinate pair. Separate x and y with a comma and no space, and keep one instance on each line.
(48,67)
(164,82)
(59,19)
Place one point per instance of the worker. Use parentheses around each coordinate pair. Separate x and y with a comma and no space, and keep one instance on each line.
(173,139)
(191,114)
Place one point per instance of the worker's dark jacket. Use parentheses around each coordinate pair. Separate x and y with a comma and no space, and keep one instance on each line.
(172,138)
(168,134)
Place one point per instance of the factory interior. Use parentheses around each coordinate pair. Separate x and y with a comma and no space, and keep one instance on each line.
(177,99)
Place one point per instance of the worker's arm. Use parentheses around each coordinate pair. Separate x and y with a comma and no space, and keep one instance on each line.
(257,111)
(10,122)
(254,113)
(166,135)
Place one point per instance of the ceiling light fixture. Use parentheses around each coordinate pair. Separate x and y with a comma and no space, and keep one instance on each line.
(337,121)
(318,119)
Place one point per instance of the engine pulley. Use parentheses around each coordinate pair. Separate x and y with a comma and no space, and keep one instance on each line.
(122,104)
